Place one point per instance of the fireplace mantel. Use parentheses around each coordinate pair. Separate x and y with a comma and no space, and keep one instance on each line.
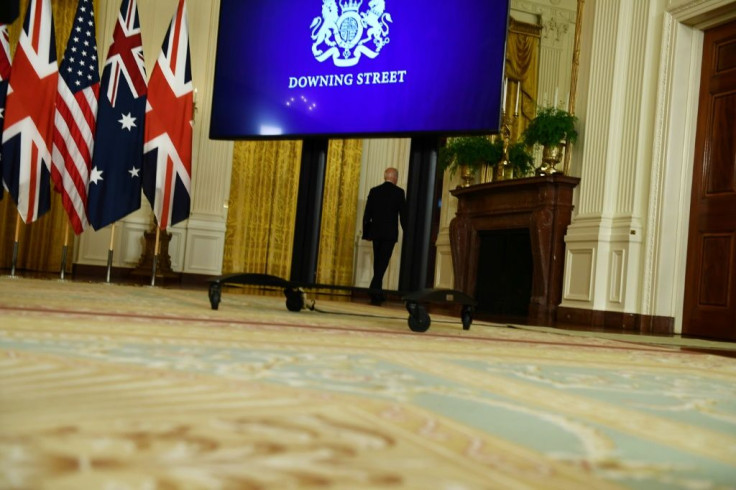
(543,205)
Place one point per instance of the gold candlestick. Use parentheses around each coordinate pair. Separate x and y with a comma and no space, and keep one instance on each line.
(504,170)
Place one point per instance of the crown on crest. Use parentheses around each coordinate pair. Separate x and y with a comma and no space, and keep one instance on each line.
(351,5)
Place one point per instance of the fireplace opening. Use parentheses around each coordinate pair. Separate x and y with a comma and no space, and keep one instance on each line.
(505,268)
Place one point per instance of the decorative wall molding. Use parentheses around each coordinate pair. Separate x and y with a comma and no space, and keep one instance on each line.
(597,117)
(205,246)
(555,29)
(659,151)
(672,164)
(579,286)
(702,14)
(617,276)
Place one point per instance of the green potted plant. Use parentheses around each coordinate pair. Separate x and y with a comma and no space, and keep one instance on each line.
(551,128)
(520,159)
(469,153)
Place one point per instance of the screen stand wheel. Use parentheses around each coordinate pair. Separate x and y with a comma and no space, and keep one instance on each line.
(419,320)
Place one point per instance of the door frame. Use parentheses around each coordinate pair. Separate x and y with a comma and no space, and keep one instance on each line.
(674,130)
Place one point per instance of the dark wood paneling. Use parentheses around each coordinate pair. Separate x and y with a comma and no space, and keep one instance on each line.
(716,268)
(722,148)
(614,321)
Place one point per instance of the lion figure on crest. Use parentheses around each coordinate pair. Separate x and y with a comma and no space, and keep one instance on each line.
(323,27)
(375,19)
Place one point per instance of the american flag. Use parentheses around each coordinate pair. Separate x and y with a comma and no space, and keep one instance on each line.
(76,115)
(115,181)
(4,76)
(29,114)
(168,147)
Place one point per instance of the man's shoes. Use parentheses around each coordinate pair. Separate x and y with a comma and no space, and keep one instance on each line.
(377,300)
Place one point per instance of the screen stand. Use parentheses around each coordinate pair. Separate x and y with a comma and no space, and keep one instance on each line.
(309,210)
(420,204)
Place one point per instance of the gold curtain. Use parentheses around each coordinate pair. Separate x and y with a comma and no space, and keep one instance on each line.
(40,243)
(262,207)
(522,66)
(339,210)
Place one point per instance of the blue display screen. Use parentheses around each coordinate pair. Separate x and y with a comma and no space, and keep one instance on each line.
(297,68)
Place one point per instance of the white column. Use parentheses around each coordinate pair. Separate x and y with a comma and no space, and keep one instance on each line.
(212,160)
(603,243)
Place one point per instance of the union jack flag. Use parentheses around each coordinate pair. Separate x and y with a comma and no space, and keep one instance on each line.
(29,114)
(168,147)
(4,76)
(76,115)
(115,181)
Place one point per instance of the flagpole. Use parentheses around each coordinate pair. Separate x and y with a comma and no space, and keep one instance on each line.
(109,253)
(15,245)
(155,255)
(64,250)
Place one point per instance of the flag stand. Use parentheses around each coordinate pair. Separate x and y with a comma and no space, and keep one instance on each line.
(15,246)
(155,256)
(109,253)
(64,250)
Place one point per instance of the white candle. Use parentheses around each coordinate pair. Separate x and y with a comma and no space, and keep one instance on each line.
(505,85)
(555,102)
(518,97)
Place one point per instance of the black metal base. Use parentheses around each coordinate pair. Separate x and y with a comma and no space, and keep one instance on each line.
(419,320)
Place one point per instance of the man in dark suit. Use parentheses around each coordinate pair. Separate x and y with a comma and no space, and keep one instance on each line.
(386,206)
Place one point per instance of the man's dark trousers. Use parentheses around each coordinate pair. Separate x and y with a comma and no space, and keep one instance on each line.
(382,250)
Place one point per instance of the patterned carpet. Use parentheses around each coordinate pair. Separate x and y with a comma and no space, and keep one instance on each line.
(122,387)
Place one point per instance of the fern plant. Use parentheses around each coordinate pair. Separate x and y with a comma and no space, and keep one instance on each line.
(520,159)
(551,127)
(469,151)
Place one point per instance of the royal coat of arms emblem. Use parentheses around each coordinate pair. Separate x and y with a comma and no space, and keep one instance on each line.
(347,35)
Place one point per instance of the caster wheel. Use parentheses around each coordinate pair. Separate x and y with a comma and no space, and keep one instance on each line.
(294,300)
(467,317)
(215,295)
(419,320)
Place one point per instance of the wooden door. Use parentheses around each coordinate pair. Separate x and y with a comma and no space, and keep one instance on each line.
(710,288)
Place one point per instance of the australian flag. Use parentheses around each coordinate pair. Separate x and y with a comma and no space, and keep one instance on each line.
(115,179)
(168,147)
(4,76)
